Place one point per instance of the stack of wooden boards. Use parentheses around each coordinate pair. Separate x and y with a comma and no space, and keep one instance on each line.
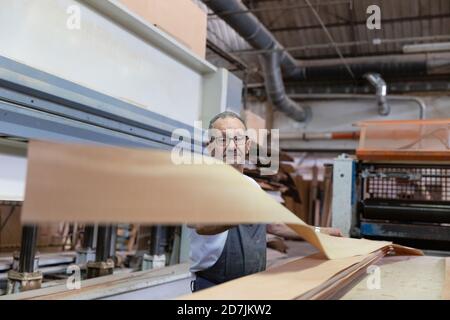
(316,278)
(304,185)
(313,278)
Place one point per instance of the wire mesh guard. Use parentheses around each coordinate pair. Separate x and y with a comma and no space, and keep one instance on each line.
(408,183)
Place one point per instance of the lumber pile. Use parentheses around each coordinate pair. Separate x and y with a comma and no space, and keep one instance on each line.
(310,278)
(303,187)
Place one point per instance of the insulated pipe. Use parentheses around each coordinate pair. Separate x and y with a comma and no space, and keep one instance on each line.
(275,88)
(249,27)
(254,32)
(381,91)
(396,65)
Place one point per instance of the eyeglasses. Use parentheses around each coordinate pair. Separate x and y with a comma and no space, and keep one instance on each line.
(225,141)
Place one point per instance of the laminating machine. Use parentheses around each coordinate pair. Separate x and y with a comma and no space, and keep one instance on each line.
(398,186)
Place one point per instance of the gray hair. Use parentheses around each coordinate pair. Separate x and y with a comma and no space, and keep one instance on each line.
(224,115)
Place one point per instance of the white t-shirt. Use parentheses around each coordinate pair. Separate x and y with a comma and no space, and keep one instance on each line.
(206,250)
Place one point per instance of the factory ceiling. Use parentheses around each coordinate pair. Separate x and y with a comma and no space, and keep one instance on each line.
(333,29)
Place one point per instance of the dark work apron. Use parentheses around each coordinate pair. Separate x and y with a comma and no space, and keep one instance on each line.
(244,253)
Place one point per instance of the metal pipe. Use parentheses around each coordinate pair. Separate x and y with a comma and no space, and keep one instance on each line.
(381,91)
(393,86)
(28,249)
(102,252)
(274,56)
(251,29)
(113,241)
(387,65)
(275,88)
(158,240)
(359,43)
(88,236)
(420,103)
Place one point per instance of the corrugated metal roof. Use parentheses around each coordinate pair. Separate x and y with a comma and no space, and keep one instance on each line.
(296,26)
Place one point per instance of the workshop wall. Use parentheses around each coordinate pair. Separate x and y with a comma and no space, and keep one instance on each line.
(341,115)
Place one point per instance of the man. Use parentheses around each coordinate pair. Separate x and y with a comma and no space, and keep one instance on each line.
(220,253)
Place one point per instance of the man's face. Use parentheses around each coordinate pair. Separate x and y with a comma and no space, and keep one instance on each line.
(229,141)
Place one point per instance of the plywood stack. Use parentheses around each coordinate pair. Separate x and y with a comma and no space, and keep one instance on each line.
(309,278)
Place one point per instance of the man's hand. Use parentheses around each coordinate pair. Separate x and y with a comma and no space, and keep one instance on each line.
(331,232)
(284,231)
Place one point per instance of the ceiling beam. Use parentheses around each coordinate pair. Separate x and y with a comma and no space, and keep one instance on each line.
(361,22)
(253,8)
(226,55)
(370,42)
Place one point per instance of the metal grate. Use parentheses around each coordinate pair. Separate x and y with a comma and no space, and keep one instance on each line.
(408,183)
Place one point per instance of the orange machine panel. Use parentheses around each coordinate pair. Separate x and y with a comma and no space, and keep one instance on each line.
(414,140)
